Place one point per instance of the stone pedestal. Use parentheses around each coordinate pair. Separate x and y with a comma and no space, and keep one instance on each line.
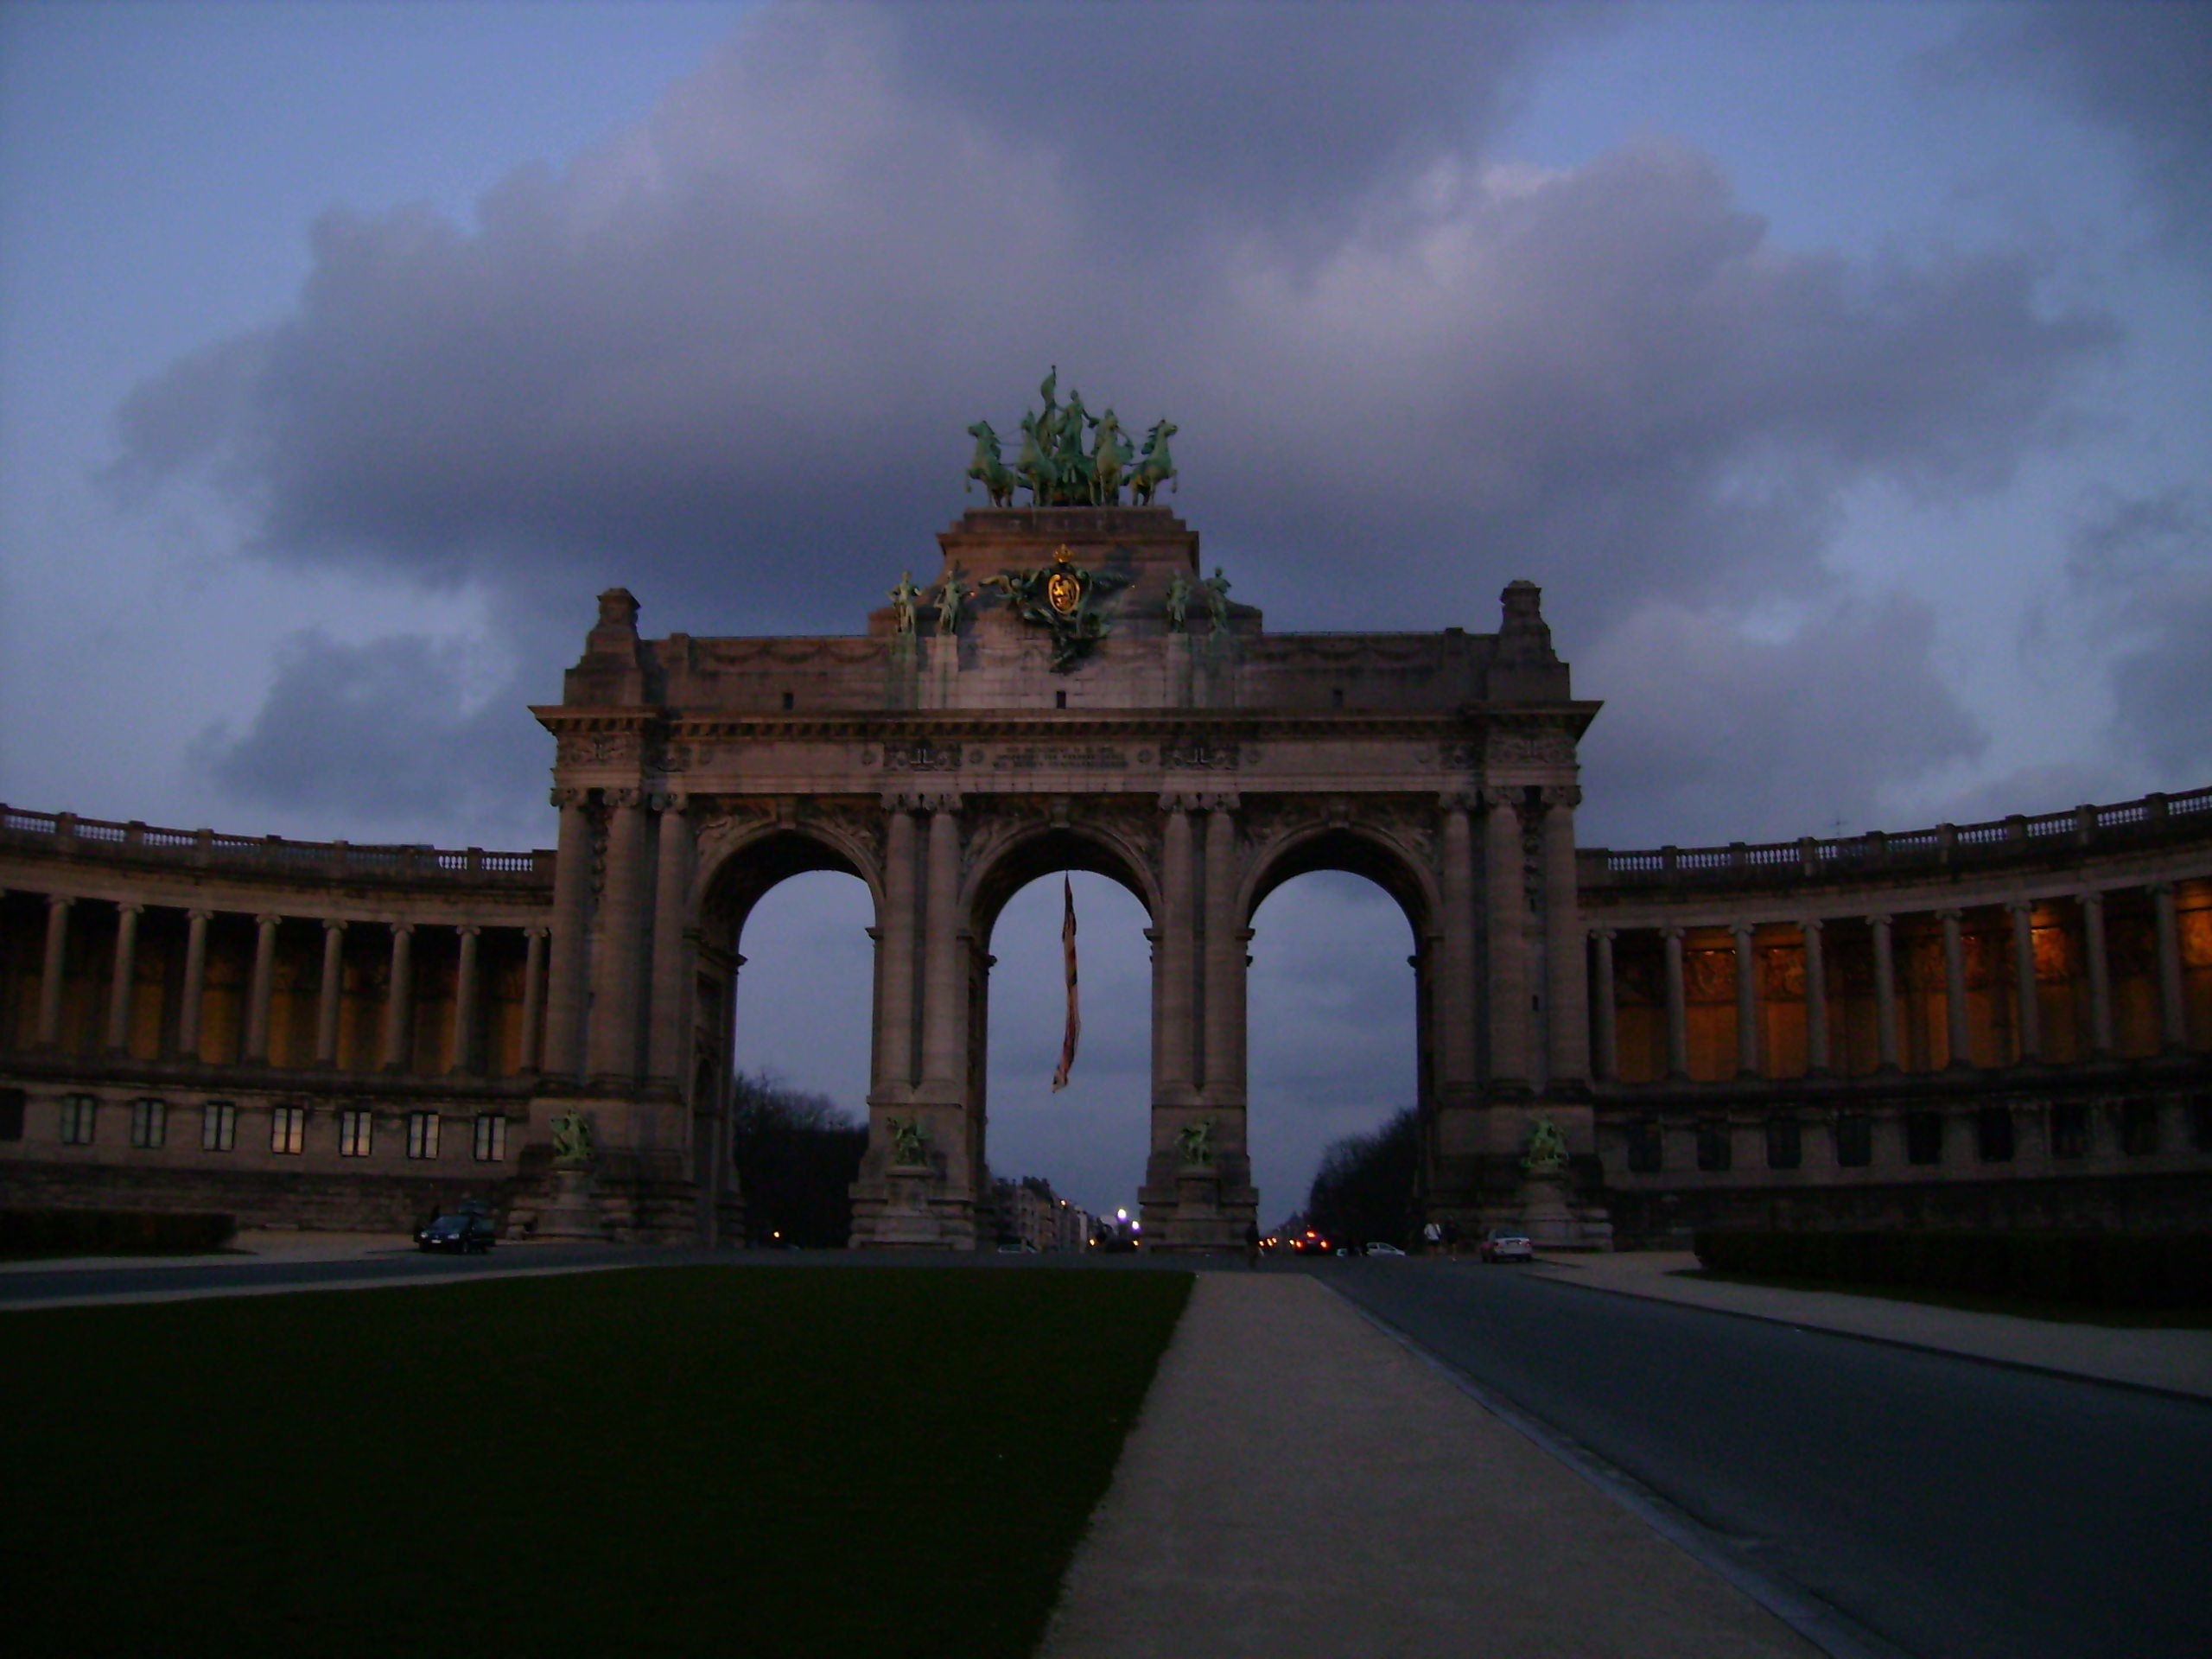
(908,1218)
(1545,1211)
(573,1211)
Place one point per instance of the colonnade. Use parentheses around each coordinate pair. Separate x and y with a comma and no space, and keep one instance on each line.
(2084,957)
(66,913)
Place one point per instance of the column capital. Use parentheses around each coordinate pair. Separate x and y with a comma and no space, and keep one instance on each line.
(2161,888)
(2089,896)
(1879,919)
(1743,931)
(1495,796)
(267,918)
(944,801)
(1568,796)
(1224,801)
(2020,906)
(1671,931)
(1952,915)
(669,802)
(569,794)
(201,915)
(1459,800)
(129,907)
(59,900)
(401,930)
(536,930)
(1608,934)
(1811,925)
(469,930)
(1180,800)
(623,798)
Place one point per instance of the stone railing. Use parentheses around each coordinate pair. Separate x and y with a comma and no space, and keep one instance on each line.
(2149,821)
(65,832)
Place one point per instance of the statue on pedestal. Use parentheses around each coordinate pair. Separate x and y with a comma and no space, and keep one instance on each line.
(909,1147)
(572,1142)
(902,603)
(1194,1142)
(1547,1147)
(1178,602)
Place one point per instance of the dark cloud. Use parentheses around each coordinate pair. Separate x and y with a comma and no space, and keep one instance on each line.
(386,738)
(2144,565)
(2140,67)
(725,359)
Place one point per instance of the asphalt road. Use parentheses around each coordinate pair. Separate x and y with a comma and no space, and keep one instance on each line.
(28,1287)
(1949,1506)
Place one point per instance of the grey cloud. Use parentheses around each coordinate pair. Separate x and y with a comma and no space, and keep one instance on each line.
(2143,563)
(1729,737)
(725,360)
(383,737)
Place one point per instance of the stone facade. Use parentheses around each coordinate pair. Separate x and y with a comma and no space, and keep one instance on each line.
(335,1033)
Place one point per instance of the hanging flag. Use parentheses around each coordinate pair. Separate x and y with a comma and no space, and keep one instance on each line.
(1075,1010)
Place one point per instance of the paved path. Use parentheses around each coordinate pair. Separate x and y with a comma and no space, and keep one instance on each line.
(1300,1483)
(2177,1360)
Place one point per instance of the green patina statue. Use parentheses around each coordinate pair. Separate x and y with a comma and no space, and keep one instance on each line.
(1178,602)
(902,604)
(1055,468)
(572,1142)
(950,598)
(1547,1147)
(909,1147)
(1061,597)
(1216,588)
(1195,1142)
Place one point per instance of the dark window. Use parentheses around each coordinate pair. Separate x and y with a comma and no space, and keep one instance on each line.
(1644,1156)
(1713,1148)
(2069,1130)
(1059,699)
(2139,1127)
(1924,1137)
(219,1126)
(790,702)
(79,1113)
(1854,1139)
(1785,1141)
(12,1113)
(150,1124)
(1336,696)
(2200,1119)
(288,1128)
(1993,1133)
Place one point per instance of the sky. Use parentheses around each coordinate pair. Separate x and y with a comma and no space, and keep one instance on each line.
(1838,370)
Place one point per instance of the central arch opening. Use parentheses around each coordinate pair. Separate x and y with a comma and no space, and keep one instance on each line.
(1088,1141)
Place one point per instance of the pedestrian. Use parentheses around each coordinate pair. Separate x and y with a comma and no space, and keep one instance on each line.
(1251,1244)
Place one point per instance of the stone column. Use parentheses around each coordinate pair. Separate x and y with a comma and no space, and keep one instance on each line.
(1566,1005)
(327,993)
(1226,943)
(618,945)
(565,990)
(944,982)
(1954,988)
(2029,1022)
(1456,996)
(57,963)
(1747,1003)
(1678,1016)
(1817,1057)
(1885,994)
(533,998)
(461,1057)
(896,932)
(1603,1015)
(2173,1010)
(398,1029)
(1507,941)
(1175,990)
(195,982)
(2099,964)
(260,989)
(126,966)
(668,1048)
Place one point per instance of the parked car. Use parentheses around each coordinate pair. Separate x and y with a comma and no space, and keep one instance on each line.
(1506,1244)
(467,1231)
(1380,1249)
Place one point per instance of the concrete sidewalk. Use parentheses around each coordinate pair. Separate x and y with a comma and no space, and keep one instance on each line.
(1300,1483)
(2177,1360)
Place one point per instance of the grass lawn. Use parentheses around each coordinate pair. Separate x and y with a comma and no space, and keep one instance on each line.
(757,1461)
(2024,1307)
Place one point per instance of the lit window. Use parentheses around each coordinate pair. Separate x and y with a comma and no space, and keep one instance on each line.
(78,1112)
(288,1128)
(355,1130)
(150,1124)
(219,1126)
(490,1138)
(423,1135)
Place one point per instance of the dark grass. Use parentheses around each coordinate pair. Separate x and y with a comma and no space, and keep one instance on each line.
(2024,1307)
(681,1460)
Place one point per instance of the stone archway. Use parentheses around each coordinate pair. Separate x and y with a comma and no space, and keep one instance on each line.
(1171,740)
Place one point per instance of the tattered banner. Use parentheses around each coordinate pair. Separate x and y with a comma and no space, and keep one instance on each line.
(1075,1009)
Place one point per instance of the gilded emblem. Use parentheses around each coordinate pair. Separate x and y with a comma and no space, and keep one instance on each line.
(1062,597)
(1061,587)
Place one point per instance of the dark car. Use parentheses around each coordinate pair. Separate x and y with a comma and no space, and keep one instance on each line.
(467,1231)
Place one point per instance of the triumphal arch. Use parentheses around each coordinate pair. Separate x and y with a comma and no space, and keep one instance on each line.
(1068,688)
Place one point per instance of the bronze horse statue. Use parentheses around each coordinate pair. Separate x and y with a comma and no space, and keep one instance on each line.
(1154,466)
(985,466)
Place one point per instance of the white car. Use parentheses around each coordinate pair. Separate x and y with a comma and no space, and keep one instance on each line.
(1506,1244)
(1384,1249)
